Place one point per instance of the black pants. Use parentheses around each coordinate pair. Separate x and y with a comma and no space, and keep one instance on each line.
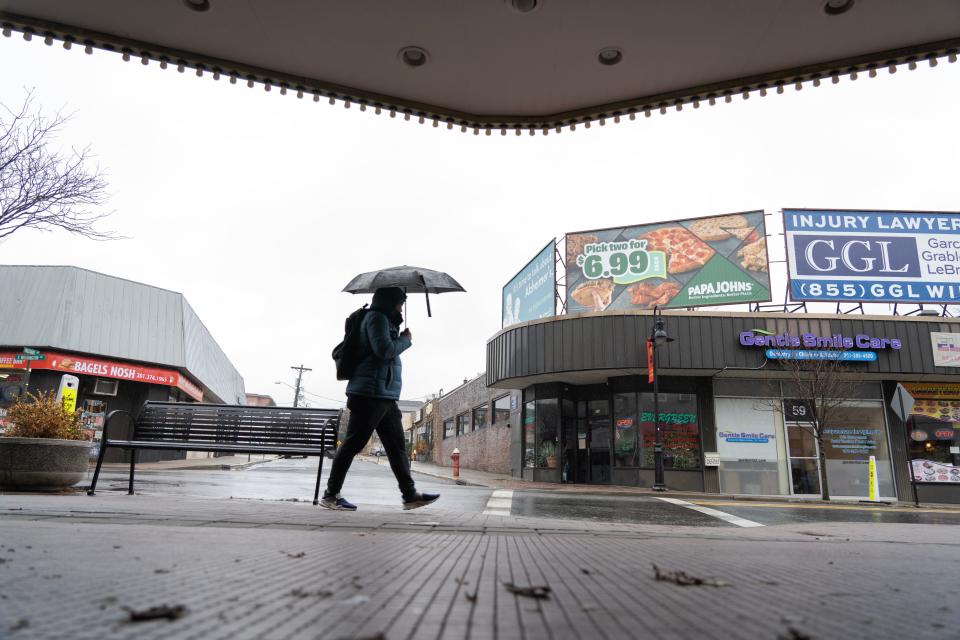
(366,416)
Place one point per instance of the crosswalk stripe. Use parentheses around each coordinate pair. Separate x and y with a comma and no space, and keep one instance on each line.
(722,515)
(499,504)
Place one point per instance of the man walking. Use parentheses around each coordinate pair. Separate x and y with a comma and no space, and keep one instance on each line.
(372,395)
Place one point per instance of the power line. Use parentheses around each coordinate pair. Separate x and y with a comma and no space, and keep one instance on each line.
(317,395)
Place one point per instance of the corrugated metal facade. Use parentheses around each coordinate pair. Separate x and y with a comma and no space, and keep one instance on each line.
(86,312)
(563,347)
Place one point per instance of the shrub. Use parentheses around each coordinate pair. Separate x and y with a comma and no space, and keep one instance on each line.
(41,415)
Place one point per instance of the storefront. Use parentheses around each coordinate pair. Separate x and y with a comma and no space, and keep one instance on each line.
(734,417)
(122,342)
(934,439)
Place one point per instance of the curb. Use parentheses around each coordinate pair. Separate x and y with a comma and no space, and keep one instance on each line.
(145,466)
(460,481)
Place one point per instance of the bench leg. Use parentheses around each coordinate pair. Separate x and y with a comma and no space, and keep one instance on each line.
(316,491)
(96,472)
(133,464)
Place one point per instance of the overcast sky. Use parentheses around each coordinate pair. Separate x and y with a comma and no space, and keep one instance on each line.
(260,207)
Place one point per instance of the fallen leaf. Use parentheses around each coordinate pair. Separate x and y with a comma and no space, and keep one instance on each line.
(684,580)
(533,591)
(157,613)
(22,623)
(586,572)
(297,555)
(794,634)
(472,597)
(161,570)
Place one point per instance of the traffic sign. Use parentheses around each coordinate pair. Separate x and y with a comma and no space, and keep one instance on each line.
(20,357)
(902,403)
(31,352)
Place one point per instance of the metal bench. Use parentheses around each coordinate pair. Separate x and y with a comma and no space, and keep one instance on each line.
(227,429)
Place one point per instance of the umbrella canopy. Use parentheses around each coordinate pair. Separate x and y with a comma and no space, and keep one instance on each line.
(410,279)
(413,279)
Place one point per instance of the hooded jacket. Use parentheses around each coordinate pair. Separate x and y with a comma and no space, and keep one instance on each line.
(378,374)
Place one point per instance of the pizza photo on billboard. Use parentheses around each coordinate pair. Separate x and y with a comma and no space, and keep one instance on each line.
(576,243)
(720,227)
(685,251)
(753,256)
(595,294)
(646,295)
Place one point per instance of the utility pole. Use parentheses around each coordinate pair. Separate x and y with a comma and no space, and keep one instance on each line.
(296,392)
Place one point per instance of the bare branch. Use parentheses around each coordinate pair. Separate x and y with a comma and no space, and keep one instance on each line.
(42,187)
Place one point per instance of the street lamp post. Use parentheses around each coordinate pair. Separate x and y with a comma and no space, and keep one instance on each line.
(658,338)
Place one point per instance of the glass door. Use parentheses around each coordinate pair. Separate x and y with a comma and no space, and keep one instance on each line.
(598,440)
(804,458)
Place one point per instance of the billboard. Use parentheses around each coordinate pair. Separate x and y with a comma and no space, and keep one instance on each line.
(872,256)
(685,263)
(530,294)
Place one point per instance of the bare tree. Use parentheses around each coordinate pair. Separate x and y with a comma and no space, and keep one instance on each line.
(41,186)
(823,386)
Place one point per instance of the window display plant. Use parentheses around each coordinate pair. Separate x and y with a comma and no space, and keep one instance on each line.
(548,454)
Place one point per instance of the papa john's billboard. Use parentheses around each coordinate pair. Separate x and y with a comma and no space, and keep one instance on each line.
(697,262)
(837,255)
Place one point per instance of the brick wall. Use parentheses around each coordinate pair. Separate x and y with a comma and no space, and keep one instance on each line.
(485,448)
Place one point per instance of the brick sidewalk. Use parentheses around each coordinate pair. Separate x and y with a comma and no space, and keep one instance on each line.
(73,565)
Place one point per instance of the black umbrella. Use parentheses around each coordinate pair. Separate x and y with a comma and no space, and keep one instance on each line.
(410,279)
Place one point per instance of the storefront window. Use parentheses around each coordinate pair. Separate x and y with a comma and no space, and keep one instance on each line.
(625,436)
(679,430)
(449,428)
(548,424)
(748,446)
(857,432)
(12,386)
(480,416)
(501,410)
(529,434)
(934,430)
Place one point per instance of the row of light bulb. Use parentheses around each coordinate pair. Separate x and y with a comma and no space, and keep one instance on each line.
(251,80)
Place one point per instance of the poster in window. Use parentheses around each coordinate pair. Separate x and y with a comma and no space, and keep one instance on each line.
(91,421)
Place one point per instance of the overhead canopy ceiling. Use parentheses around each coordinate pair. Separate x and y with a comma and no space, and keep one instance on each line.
(535,64)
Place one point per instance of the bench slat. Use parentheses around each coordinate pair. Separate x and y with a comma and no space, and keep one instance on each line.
(208,427)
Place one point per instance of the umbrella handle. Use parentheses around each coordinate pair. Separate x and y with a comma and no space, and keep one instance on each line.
(405,321)
(426,294)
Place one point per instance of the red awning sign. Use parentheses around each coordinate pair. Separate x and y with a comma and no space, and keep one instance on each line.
(83,365)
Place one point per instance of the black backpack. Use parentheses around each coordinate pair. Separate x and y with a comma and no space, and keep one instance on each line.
(346,354)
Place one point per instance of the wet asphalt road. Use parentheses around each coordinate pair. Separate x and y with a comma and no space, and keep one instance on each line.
(373,484)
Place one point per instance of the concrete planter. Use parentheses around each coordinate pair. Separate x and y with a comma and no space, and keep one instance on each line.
(42,464)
